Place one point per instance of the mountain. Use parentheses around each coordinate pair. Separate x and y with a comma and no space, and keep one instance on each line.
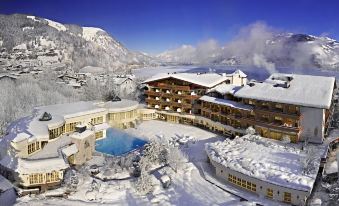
(267,50)
(33,43)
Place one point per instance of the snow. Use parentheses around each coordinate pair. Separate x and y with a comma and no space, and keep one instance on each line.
(21,47)
(100,127)
(33,18)
(224,89)
(226,102)
(205,79)
(240,73)
(56,25)
(304,90)
(275,163)
(93,70)
(82,135)
(41,165)
(331,168)
(70,150)
(50,150)
(90,33)
(123,105)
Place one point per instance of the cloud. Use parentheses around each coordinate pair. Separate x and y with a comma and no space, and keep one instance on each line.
(261,46)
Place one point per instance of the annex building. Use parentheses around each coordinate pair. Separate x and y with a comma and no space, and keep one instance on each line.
(39,148)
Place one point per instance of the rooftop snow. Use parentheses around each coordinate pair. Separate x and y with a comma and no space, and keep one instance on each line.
(41,165)
(304,90)
(265,159)
(205,79)
(82,135)
(122,105)
(31,128)
(224,89)
(239,72)
(70,150)
(226,102)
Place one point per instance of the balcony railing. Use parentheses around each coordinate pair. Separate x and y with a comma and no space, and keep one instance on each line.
(174,87)
(261,110)
(272,125)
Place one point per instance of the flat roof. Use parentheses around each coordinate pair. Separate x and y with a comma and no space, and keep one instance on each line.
(303,90)
(265,159)
(204,79)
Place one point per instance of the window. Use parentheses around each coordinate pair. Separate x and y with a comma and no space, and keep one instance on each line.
(99,134)
(32,148)
(35,179)
(242,183)
(279,106)
(269,193)
(97,120)
(287,197)
(52,176)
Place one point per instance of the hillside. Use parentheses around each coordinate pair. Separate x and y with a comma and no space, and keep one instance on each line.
(33,43)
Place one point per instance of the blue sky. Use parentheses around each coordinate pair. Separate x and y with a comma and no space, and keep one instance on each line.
(156,25)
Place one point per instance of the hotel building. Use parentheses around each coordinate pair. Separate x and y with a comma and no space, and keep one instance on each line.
(298,107)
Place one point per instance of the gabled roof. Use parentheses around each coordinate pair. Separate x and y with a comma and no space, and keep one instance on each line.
(240,73)
(303,90)
(205,79)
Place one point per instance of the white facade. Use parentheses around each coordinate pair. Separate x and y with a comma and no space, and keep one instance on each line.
(312,123)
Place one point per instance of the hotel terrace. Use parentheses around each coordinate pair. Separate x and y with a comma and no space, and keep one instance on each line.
(295,106)
(42,146)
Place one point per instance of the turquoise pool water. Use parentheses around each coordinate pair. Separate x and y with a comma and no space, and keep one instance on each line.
(118,142)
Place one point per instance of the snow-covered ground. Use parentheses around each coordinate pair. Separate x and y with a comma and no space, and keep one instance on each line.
(188,185)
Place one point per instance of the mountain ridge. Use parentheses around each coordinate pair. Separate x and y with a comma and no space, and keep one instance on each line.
(31,41)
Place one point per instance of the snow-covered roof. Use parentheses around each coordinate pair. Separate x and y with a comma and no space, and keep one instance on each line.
(70,150)
(102,126)
(226,102)
(83,134)
(224,89)
(239,72)
(204,79)
(331,167)
(265,159)
(123,105)
(41,165)
(303,90)
(51,149)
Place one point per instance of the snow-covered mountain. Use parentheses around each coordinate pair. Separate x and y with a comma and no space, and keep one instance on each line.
(270,50)
(31,42)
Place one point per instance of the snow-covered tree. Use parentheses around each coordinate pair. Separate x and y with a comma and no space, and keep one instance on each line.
(308,159)
(176,159)
(250,130)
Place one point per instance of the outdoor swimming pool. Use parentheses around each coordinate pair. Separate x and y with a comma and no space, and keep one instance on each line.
(118,142)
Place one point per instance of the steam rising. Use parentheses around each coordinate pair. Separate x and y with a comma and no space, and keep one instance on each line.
(261,46)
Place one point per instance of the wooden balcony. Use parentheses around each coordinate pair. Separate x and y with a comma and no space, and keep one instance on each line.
(172,95)
(271,125)
(173,87)
(170,103)
(261,110)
